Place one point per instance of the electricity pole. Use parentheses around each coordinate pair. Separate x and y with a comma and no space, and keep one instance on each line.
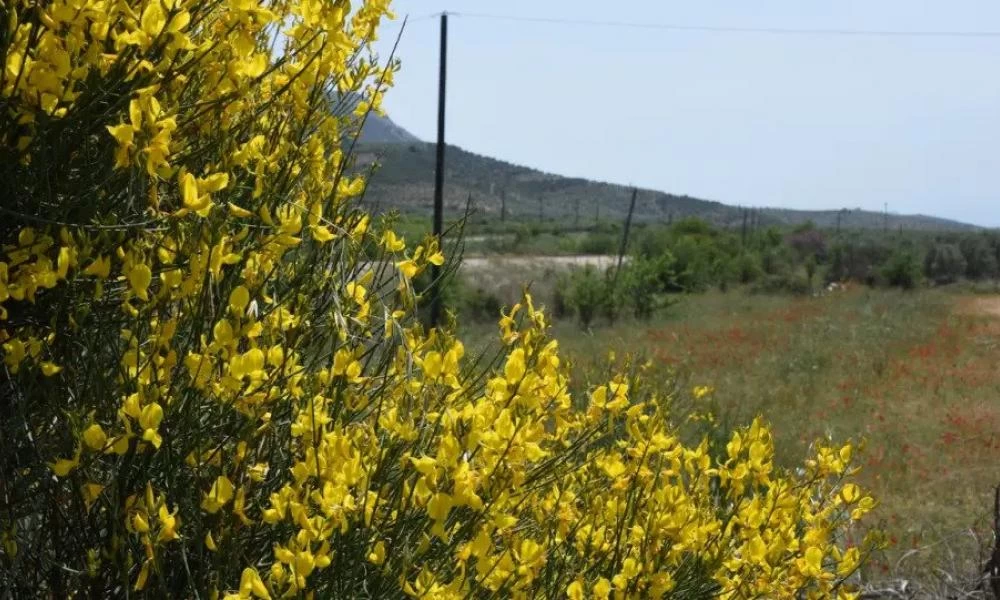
(439,173)
(628,225)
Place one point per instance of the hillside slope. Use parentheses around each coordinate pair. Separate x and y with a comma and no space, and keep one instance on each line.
(404,180)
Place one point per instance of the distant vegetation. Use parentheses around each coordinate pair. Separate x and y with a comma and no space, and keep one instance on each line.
(691,255)
(501,191)
(798,259)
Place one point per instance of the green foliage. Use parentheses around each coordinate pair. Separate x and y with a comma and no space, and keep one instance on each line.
(561,302)
(901,270)
(746,267)
(944,263)
(776,260)
(587,293)
(795,284)
(643,281)
(980,257)
(598,242)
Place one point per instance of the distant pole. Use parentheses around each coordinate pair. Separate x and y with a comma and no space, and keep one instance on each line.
(840,213)
(439,173)
(541,210)
(743,235)
(885,217)
(576,207)
(503,205)
(597,217)
(628,225)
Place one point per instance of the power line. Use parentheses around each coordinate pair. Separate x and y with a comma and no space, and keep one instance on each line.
(425,16)
(714,29)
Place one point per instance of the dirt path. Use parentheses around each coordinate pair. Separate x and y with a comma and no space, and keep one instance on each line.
(988,306)
(601,261)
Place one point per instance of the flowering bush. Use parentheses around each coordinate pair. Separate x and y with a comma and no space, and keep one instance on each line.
(211,388)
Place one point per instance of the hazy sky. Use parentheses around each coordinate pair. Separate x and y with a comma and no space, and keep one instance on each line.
(802,121)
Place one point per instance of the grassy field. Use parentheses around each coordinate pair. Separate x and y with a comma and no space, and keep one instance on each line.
(915,374)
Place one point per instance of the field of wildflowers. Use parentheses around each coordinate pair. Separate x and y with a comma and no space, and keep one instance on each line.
(214,383)
(914,373)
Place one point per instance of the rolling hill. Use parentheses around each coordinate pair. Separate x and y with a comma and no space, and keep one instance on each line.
(404,180)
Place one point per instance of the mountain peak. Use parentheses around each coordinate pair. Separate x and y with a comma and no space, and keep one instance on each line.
(382,130)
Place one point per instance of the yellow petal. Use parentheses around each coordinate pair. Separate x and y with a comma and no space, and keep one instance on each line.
(250,582)
(90,493)
(238,211)
(139,523)
(189,194)
(151,416)
(213,183)
(408,268)
(239,299)
(49,369)
(139,278)
(94,437)
(153,19)
(101,267)
(63,466)
(123,133)
(322,234)
(140,581)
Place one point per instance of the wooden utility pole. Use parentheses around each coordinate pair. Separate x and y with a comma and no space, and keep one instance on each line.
(628,225)
(576,210)
(503,205)
(541,210)
(439,173)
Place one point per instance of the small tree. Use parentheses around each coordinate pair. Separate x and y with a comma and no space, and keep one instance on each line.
(587,294)
(980,257)
(902,270)
(944,263)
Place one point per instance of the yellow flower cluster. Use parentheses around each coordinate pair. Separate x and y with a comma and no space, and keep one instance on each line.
(205,315)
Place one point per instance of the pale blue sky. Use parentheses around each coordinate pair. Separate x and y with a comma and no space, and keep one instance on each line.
(753,119)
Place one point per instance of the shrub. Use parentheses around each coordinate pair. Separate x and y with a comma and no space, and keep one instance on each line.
(945,263)
(901,270)
(980,257)
(210,390)
(776,261)
(746,267)
(478,304)
(643,282)
(790,283)
(597,243)
(693,264)
(588,294)
(808,242)
(561,301)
